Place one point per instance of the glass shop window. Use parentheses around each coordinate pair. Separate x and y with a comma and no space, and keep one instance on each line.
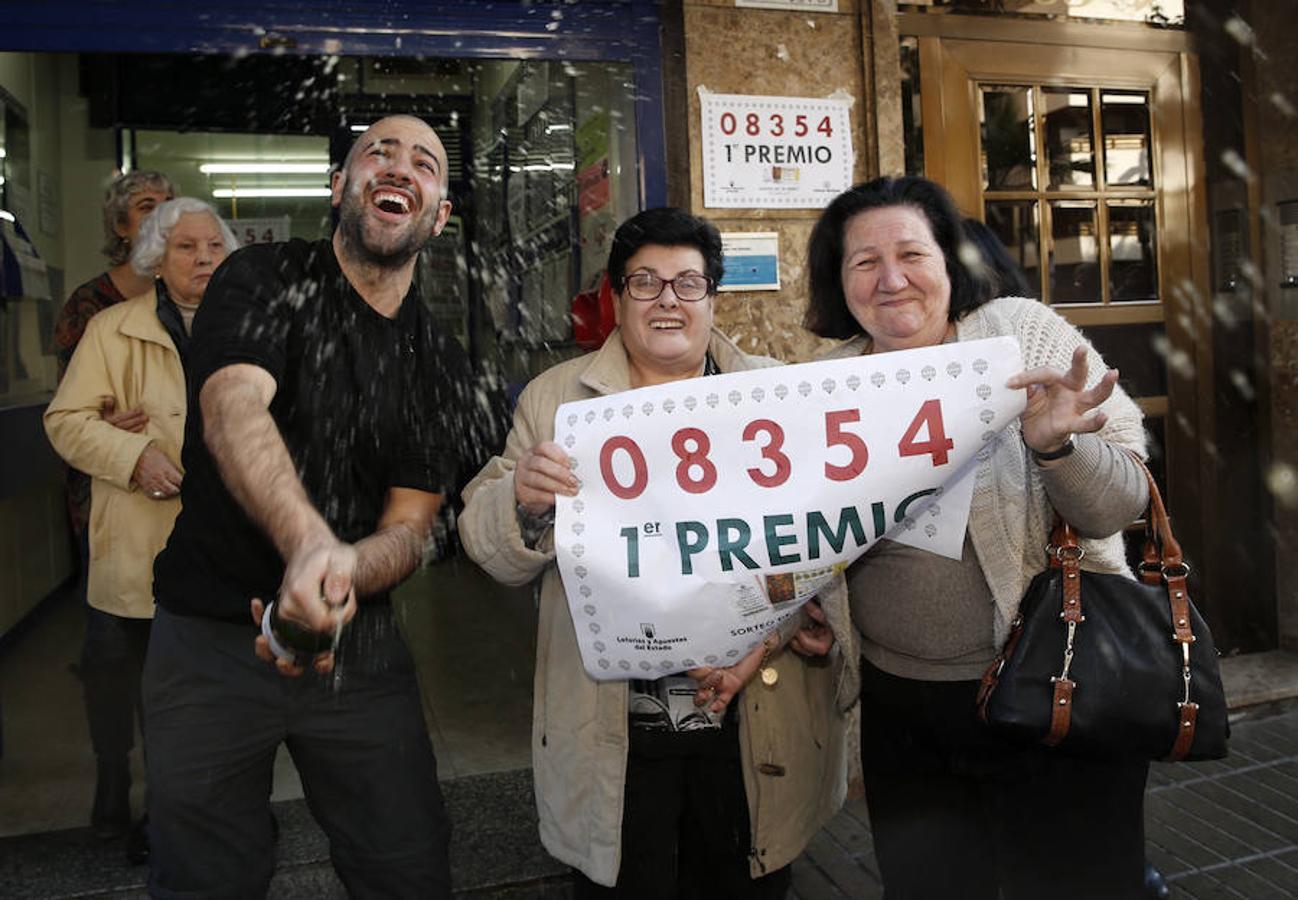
(542,162)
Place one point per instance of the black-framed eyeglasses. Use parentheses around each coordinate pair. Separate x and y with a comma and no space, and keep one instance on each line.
(645,286)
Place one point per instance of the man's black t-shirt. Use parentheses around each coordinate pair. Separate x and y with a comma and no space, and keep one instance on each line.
(364,403)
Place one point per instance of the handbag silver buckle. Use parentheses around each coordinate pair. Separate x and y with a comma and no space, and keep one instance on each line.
(1065,553)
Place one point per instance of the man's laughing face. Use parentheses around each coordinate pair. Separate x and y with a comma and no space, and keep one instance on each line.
(391,194)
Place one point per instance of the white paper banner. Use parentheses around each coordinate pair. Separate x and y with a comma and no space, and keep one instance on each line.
(711,509)
(775,152)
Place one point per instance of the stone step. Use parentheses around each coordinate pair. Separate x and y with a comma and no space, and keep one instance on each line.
(495,853)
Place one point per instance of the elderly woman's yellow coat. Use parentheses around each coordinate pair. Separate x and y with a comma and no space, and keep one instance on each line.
(125,354)
(792,736)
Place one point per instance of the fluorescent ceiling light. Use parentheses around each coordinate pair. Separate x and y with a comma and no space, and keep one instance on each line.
(359,128)
(7,215)
(228,193)
(265,168)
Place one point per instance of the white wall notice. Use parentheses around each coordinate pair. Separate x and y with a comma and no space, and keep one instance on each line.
(795,5)
(752,260)
(775,152)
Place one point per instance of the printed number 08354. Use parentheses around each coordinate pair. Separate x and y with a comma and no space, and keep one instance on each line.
(696,473)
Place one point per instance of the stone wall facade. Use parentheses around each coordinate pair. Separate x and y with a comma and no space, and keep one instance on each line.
(773,53)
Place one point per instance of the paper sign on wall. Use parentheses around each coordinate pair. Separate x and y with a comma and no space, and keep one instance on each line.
(795,5)
(774,152)
(752,261)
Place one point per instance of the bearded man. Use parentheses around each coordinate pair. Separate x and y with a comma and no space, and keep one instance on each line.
(317,453)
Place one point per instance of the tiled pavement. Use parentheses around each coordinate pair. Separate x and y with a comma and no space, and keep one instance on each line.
(1230,828)
(1225,829)
(1222,829)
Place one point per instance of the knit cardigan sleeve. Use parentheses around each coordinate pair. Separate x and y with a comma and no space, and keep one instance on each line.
(1011,511)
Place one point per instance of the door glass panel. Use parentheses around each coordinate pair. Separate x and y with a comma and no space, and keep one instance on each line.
(1009,157)
(1229,247)
(1097,250)
(1125,119)
(1163,13)
(912,120)
(268,187)
(1074,253)
(1017,224)
(1133,262)
(1137,351)
(1070,145)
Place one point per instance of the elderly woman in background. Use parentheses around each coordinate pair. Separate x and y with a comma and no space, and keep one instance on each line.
(128,200)
(642,805)
(132,354)
(956,812)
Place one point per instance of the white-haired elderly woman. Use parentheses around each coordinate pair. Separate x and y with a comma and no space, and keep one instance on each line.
(127,201)
(131,356)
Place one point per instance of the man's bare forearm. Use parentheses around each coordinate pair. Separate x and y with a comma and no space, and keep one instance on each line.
(385,558)
(255,464)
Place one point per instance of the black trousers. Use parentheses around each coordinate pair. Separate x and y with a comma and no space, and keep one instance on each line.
(956,812)
(215,716)
(685,827)
(112,662)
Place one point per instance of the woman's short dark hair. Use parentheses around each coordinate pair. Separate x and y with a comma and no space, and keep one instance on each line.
(827,312)
(665,226)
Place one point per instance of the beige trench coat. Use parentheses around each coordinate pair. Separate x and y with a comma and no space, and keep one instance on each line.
(125,354)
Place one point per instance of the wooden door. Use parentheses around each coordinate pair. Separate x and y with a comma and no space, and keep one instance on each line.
(1087,162)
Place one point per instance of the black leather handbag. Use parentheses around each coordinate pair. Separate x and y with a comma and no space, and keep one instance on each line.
(1103,666)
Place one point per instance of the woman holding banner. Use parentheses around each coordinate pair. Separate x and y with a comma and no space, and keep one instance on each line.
(643,802)
(891,269)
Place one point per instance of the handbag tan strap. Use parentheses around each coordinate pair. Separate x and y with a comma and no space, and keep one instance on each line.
(1161,560)
(1174,571)
(1067,556)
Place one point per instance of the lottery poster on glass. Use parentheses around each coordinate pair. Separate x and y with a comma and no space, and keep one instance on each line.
(774,152)
(261,231)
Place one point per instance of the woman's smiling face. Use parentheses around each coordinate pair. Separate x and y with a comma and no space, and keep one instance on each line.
(895,279)
(666,338)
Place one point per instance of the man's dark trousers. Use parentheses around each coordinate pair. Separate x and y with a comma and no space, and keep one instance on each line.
(215,715)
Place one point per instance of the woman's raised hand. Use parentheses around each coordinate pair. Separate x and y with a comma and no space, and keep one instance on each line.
(542,472)
(1059,403)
